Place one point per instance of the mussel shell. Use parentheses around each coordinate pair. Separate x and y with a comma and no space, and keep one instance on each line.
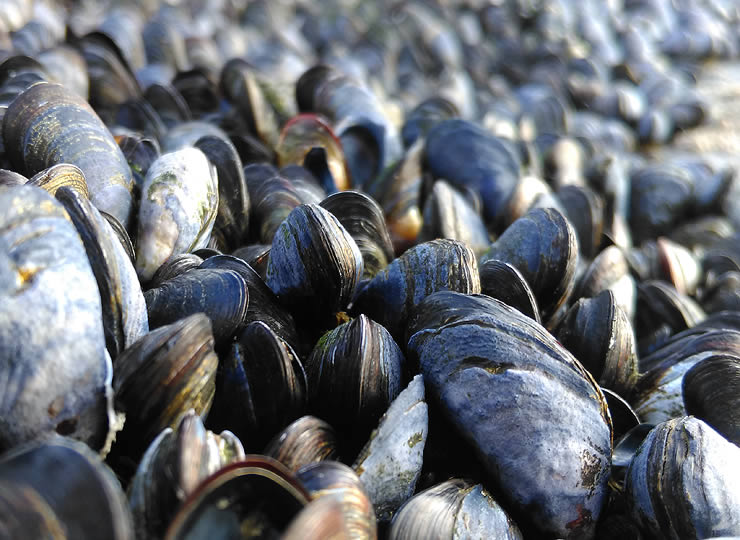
(542,245)
(447,214)
(468,157)
(503,281)
(314,265)
(246,499)
(710,392)
(222,295)
(354,373)
(172,467)
(610,271)
(432,266)
(390,464)
(491,369)
(61,175)
(48,124)
(398,191)
(179,205)
(163,375)
(263,304)
(174,266)
(124,309)
(46,281)
(584,209)
(272,196)
(306,440)
(331,478)
(308,140)
(364,221)
(600,335)
(661,195)
(682,482)
(64,473)
(453,509)
(232,219)
(261,386)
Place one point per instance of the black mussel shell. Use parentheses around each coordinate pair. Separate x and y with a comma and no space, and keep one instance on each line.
(711,391)
(600,336)
(60,476)
(354,373)
(542,245)
(364,221)
(438,265)
(504,382)
(160,377)
(221,294)
(261,386)
(682,482)
(503,281)
(314,265)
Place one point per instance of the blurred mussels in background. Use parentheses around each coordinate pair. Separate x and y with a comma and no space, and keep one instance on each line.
(351,269)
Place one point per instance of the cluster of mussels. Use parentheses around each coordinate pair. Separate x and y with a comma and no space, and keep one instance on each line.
(349,269)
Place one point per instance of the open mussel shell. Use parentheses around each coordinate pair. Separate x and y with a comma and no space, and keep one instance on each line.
(178,208)
(62,473)
(172,467)
(682,482)
(365,222)
(490,369)
(438,265)
(232,219)
(49,124)
(253,498)
(503,281)
(390,464)
(354,372)
(307,440)
(61,175)
(330,479)
(468,157)
(610,271)
(314,265)
(447,214)
(160,377)
(261,386)
(308,140)
(369,139)
(124,310)
(56,373)
(453,509)
(542,245)
(222,295)
(711,392)
(600,336)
